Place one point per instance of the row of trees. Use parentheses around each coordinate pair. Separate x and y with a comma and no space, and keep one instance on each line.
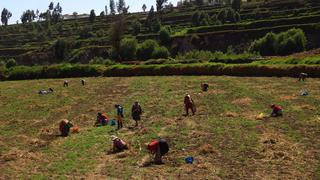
(201,18)
(235,4)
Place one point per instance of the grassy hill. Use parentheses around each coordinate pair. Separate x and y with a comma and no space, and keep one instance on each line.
(225,138)
(33,43)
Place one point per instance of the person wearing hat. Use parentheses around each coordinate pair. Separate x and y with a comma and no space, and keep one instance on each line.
(204,87)
(120,115)
(64,127)
(189,104)
(276,110)
(65,83)
(118,144)
(102,119)
(303,76)
(136,112)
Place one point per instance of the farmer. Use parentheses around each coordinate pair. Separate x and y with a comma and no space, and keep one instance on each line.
(276,110)
(204,87)
(65,83)
(303,76)
(120,115)
(118,144)
(83,82)
(102,119)
(136,112)
(189,104)
(50,90)
(64,127)
(159,148)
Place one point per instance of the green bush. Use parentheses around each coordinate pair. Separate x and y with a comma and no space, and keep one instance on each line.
(200,19)
(228,15)
(164,35)
(60,49)
(136,27)
(101,60)
(160,53)
(11,63)
(128,48)
(291,41)
(146,49)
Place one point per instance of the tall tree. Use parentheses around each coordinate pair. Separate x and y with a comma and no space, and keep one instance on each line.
(51,5)
(92,16)
(27,16)
(160,4)
(5,16)
(112,7)
(120,6)
(116,33)
(56,14)
(144,7)
(106,10)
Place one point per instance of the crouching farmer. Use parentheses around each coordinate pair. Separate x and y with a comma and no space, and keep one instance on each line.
(64,127)
(102,119)
(159,148)
(276,110)
(189,104)
(204,87)
(303,76)
(118,144)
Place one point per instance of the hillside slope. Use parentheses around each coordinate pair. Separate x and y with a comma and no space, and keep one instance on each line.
(34,43)
(224,136)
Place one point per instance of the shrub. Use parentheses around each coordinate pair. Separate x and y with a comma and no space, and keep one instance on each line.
(136,27)
(60,48)
(146,49)
(228,15)
(100,60)
(160,53)
(11,63)
(265,45)
(200,19)
(164,35)
(128,48)
(291,41)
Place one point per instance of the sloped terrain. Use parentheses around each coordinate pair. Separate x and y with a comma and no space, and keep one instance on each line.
(224,137)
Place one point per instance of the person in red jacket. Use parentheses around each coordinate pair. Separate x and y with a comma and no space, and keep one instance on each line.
(189,104)
(276,110)
(159,148)
(102,119)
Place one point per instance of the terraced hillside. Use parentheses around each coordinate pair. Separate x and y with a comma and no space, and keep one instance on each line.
(224,137)
(33,43)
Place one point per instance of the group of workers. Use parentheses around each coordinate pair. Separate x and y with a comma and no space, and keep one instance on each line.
(66,83)
(157,147)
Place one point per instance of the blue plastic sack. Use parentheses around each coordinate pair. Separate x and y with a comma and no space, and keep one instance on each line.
(189,160)
(113,122)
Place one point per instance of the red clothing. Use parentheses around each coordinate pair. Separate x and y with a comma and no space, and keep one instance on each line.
(61,125)
(277,108)
(153,146)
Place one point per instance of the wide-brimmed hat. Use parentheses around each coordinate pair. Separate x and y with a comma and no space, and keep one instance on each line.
(113,137)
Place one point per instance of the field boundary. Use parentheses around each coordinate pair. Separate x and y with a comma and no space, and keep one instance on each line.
(217,69)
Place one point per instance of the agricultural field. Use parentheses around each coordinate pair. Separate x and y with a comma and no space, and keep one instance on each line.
(225,137)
